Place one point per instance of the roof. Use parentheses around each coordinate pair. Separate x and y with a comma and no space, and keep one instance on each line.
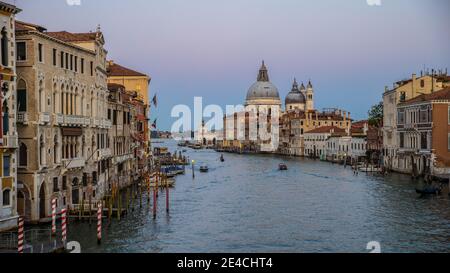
(443,94)
(326,129)
(116,70)
(23,26)
(73,37)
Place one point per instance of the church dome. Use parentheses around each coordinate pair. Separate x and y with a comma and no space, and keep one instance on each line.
(263,89)
(295,96)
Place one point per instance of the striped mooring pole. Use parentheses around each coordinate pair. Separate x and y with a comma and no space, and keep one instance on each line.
(99,223)
(64,226)
(53,216)
(20,236)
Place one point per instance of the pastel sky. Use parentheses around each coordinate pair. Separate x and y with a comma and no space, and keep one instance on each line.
(213,49)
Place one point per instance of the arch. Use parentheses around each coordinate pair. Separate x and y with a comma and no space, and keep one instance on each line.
(5,47)
(41,150)
(5,117)
(23,155)
(41,96)
(55,97)
(6,194)
(22,96)
(75,191)
(42,201)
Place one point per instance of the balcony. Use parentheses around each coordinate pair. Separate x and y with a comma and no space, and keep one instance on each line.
(71,120)
(44,118)
(104,153)
(22,117)
(10,142)
(122,158)
(75,163)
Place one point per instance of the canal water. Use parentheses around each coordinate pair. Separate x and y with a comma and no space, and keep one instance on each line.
(246,205)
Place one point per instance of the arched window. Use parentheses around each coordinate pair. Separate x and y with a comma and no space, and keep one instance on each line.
(22,96)
(41,150)
(23,155)
(61,110)
(4,44)
(41,97)
(5,118)
(55,149)
(7,197)
(55,97)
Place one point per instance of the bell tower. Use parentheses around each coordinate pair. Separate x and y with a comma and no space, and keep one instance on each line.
(309,97)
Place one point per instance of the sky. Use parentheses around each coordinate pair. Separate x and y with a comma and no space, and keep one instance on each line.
(211,48)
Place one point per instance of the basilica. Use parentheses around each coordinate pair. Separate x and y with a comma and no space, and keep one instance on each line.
(296,118)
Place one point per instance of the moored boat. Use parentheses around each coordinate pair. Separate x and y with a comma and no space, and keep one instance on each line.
(430,190)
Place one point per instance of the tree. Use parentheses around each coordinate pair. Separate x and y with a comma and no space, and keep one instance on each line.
(376,115)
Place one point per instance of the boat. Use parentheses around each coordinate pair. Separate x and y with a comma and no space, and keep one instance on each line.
(197,147)
(222,159)
(430,190)
(283,167)
(204,169)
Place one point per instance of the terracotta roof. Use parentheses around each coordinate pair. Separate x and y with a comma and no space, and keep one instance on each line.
(73,37)
(360,124)
(121,71)
(443,94)
(326,129)
(23,26)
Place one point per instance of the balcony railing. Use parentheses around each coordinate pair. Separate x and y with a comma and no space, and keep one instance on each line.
(10,142)
(75,163)
(22,117)
(44,118)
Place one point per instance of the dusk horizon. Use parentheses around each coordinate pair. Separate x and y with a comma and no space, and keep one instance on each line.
(348,49)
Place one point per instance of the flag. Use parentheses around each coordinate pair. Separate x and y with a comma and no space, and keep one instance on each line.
(154,124)
(155,101)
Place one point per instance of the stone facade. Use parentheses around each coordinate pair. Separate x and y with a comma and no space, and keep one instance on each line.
(62,118)
(10,197)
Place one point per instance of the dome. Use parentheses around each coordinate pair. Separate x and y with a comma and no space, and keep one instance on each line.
(263,88)
(295,96)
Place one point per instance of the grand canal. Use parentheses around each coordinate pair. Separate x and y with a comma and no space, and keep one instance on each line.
(246,205)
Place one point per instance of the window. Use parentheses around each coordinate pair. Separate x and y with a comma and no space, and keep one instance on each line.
(23,155)
(55,53)
(424,140)
(402,140)
(449,142)
(40,53)
(92,68)
(22,96)
(62,59)
(76,64)
(402,96)
(21,51)
(7,197)
(448,114)
(6,165)
(64,183)
(422,84)
(71,62)
(67,60)
(82,66)
(401,116)
(55,184)
(4,45)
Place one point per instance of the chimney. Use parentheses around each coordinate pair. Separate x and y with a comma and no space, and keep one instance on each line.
(345,115)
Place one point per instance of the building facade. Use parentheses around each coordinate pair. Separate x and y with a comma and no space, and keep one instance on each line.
(423,126)
(402,91)
(9,193)
(62,120)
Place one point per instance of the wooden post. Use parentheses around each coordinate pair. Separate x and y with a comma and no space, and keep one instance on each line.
(20,237)
(81,212)
(99,223)
(167,194)
(54,217)
(90,209)
(119,206)
(154,202)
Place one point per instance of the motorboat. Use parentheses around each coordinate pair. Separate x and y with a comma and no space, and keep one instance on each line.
(204,169)
(222,159)
(283,167)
